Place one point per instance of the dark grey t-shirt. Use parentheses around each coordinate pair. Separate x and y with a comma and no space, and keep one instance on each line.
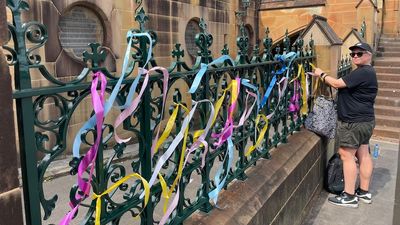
(356,101)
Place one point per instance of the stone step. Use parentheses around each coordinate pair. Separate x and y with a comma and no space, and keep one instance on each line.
(387,61)
(389,49)
(384,69)
(390,54)
(387,76)
(387,110)
(389,44)
(387,101)
(384,40)
(389,92)
(389,39)
(388,121)
(389,132)
(389,84)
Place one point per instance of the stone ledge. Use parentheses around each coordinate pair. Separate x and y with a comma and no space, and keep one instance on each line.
(277,191)
(11,207)
(274,5)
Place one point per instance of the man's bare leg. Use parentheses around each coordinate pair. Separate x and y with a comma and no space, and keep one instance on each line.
(349,169)
(366,167)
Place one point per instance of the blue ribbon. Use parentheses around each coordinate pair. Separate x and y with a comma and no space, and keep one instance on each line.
(131,92)
(109,103)
(291,56)
(247,84)
(213,195)
(281,58)
(203,69)
(268,92)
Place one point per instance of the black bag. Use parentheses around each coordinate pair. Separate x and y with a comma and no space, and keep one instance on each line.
(334,182)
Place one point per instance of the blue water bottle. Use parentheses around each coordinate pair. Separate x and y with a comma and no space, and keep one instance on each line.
(375,153)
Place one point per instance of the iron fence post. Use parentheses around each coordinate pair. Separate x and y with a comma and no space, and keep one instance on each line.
(11,210)
(241,176)
(145,128)
(26,128)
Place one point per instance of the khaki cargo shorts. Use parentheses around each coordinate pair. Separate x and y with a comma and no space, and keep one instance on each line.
(352,135)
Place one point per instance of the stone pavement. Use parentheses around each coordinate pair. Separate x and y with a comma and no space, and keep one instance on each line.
(383,186)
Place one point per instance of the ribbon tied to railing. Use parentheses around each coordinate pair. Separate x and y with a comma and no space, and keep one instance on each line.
(102,107)
(101,110)
(90,157)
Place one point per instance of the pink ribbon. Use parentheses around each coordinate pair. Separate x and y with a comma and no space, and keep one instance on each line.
(247,112)
(228,128)
(127,112)
(90,157)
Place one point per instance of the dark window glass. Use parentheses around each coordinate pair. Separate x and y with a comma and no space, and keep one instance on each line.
(192,29)
(79,27)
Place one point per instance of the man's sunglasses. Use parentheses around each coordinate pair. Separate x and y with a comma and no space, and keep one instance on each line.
(358,54)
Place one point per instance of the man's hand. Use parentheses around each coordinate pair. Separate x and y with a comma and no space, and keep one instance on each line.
(317,72)
(331,81)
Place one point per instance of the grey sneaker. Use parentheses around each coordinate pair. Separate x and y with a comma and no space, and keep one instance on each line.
(344,199)
(364,196)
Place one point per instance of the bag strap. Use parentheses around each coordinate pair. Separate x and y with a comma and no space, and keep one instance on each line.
(317,86)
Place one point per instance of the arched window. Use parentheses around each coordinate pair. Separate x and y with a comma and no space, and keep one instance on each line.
(249,32)
(192,28)
(79,27)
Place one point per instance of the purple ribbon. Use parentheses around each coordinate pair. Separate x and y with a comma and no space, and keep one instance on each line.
(294,105)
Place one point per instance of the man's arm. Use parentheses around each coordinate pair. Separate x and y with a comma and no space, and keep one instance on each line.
(331,81)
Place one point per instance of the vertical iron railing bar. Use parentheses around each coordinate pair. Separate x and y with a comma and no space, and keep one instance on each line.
(205,172)
(99,171)
(145,128)
(30,177)
(240,139)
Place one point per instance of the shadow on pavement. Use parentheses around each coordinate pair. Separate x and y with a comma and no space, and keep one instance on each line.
(380,177)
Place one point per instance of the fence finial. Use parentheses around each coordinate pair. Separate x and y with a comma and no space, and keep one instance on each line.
(204,40)
(141,18)
(267,42)
(95,56)
(286,42)
(363,28)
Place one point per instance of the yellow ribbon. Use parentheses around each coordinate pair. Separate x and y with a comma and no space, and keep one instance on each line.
(217,107)
(234,91)
(218,104)
(180,167)
(300,68)
(261,136)
(233,85)
(197,134)
(166,193)
(316,85)
(304,107)
(114,186)
(164,187)
(168,129)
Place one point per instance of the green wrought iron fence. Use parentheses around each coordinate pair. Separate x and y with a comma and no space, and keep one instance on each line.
(34,132)
(344,67)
